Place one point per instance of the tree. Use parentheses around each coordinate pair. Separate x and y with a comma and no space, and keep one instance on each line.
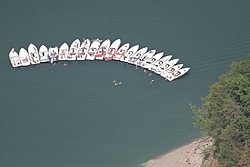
(225,116)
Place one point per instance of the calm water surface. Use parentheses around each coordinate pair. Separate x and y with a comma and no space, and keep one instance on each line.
(75,116)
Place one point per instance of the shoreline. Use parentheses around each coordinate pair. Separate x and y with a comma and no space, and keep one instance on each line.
(185,156)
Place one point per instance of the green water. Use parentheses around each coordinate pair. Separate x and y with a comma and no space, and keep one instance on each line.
(75,116)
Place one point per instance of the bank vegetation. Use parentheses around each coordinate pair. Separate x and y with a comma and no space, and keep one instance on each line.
(225,116)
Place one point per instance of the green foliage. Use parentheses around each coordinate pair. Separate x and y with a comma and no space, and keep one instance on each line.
(225,116)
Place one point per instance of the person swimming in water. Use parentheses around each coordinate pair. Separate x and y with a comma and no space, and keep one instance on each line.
(115,82)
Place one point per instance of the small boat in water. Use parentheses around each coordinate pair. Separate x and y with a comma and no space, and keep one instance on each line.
(14,58)
(83,50)
(53,54)
(93,49)
(162,70)
(177,74)
(73,50)
(149,63)
(175,68)
(161,61)
(144,57)
(103,49)
(112,50)
(121,51)
(131,51)
(158,65)
(63,51)
(33,54)
(132,59)
(24,57)
(44,54)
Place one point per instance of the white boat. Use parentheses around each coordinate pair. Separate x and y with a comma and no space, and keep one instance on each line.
(139,53)
(131,51)
(33,54)
(63,51)
(145,57)
(53,54)
(93,49)
(161,61)
(83,50)
(174,68)
(103,49)
(24,57)
(121,51)
(73,50)
(158,66)
(177,74)
(162,70)
(112,49)
(44,54)
(148,64)
(14,58)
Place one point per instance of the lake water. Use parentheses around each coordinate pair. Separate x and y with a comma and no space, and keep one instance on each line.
(74,116)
